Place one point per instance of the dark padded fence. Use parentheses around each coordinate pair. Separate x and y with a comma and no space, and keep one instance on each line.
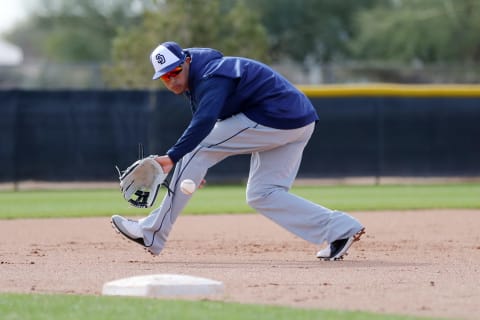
(81,135)
(374,136)
(71,135)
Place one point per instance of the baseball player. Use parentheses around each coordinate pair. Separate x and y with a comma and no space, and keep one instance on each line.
(240,106)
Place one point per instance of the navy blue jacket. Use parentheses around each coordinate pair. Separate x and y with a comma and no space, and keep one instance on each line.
(220,87)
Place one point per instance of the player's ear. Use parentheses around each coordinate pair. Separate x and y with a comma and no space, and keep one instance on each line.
(187,62)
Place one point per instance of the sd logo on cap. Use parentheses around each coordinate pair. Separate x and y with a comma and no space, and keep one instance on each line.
(166,57)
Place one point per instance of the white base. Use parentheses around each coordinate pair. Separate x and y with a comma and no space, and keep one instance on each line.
(163,285)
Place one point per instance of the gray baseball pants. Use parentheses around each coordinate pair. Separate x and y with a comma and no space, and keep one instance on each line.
(276,156)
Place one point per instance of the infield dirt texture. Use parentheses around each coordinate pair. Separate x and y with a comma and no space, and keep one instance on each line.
(424,263)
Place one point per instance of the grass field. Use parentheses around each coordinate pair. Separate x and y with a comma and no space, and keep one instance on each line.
(231,199)
(58,307)
(211,200)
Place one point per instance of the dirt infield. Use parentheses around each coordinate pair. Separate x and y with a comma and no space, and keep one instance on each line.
(424,263)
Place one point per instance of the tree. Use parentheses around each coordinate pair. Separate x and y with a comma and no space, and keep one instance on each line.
(419,30)
(75,31)
(314,29)
(233,29)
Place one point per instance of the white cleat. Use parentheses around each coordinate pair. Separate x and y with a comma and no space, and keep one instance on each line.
(128,228)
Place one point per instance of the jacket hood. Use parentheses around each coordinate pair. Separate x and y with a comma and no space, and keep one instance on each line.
(201,57)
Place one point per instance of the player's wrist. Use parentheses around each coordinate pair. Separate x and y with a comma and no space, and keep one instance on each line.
(165,162)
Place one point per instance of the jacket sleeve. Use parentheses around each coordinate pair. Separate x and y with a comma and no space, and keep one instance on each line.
(212,94)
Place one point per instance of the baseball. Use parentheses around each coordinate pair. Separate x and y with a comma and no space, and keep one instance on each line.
(188,186)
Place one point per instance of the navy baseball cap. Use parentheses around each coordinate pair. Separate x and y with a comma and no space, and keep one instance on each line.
(166,57)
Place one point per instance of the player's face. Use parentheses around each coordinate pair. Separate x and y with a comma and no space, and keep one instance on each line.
(177,79)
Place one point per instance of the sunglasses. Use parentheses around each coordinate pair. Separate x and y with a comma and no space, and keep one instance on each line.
(172,74)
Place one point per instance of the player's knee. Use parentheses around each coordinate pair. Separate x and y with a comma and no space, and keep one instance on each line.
(261,197)
(253,200)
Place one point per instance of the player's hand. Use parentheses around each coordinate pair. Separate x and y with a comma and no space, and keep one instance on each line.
(166,163)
